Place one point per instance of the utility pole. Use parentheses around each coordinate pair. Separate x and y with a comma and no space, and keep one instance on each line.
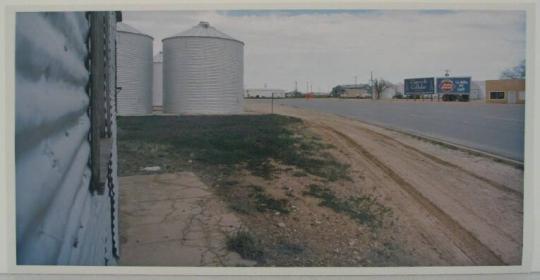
(295,86)
(307,86)
(272,102)
(355,80)
(371,85)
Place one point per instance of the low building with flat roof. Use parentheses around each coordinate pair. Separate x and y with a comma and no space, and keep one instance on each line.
(505,91)
(352,91)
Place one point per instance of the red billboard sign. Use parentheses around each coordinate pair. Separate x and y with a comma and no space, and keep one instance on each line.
(446,85)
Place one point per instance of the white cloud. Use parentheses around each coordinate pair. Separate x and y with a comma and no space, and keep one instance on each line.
(331,48)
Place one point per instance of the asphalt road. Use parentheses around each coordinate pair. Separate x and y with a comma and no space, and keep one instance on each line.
(493,128)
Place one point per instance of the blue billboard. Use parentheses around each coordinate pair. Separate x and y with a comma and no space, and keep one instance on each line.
(419,86)
(454,85)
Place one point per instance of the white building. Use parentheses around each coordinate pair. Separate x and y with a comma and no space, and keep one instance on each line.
(353,91)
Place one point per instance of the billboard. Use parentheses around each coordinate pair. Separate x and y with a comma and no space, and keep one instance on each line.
(454,85)
(419,86)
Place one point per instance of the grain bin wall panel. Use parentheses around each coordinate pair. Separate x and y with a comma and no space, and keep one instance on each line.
(134,73)
(203,75)
(52,148)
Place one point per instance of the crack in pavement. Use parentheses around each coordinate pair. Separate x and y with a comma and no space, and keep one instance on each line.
(193,237)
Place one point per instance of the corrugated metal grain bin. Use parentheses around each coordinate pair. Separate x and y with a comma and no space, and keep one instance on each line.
(158,80)
(60,219)
(134,71)
(203,72)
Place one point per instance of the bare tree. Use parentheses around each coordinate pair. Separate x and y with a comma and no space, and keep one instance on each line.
(379,85)
(516,72)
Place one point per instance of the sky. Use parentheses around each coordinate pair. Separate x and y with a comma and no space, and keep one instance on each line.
(325,48)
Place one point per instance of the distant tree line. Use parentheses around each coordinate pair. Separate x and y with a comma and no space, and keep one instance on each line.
(516,72)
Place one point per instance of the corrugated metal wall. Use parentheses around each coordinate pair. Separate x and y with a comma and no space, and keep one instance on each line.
(134,73)
(203,75)
(58,220)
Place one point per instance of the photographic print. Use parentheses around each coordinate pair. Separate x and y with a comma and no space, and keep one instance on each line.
(270,138)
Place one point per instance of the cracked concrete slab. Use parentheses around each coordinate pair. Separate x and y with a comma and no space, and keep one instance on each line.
(174,220)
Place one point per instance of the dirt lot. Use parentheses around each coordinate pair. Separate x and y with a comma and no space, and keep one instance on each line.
(348,194)
(451,208)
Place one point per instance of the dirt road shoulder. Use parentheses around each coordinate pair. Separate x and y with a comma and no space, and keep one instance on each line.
(468,207)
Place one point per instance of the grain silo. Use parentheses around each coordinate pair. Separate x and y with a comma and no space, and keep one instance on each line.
(157,91)
(203,72)
(134,71)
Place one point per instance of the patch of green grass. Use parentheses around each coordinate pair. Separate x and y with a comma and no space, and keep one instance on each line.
(246,245)
(242,207)
(364,209)
(135,155)
(264,202)
(299,174)
(257,200)
(223,144)
(263,169)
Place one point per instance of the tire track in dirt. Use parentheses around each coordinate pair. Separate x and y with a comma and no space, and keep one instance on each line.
(467,242)
(491,215)
(438,160)
(426,238)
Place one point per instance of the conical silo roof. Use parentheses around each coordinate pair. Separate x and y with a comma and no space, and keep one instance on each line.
(122,27)
(203,29)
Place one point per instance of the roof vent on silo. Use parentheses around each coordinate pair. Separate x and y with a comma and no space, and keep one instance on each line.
(204,24)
